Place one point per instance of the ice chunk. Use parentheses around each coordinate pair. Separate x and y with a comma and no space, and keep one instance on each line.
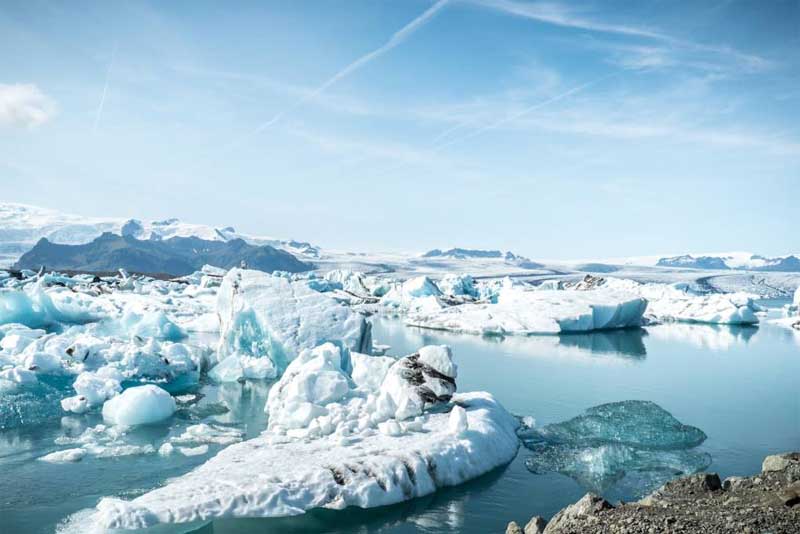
(456,285)
(312,380)
(417,294)
(678,303)
(369,371)
(412,385)
(35,306)
(272,476)
(634,439)
(92,390)
(67,455)
(154,324)
(521,311)
(139,405)
(264,316)
(236,367)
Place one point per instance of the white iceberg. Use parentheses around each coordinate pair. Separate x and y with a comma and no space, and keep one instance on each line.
(265,316)
(521,311)
(676,303)
(139,405)
(333,443)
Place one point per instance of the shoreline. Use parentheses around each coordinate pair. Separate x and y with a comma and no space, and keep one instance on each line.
(766,502)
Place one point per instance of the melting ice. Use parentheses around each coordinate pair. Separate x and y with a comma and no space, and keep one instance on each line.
(635,443)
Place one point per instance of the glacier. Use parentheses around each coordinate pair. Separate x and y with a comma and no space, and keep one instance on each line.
(633,442)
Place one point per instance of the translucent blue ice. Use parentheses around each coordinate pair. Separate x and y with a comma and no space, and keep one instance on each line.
(637,440)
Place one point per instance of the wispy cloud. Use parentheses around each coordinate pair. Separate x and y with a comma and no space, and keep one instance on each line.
(560,15)
(397,38)
(25,105)
(100,106)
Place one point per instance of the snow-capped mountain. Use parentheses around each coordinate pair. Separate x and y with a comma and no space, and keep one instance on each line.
(733,260)
(22,225)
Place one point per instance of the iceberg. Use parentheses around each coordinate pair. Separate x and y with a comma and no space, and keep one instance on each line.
(265,316)
(634,439)
(36,306)
(332,443)
(416,294)
(140,405)
(676,303)
(521,311)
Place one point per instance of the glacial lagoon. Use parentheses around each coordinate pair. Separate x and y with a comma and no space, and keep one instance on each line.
(730,394)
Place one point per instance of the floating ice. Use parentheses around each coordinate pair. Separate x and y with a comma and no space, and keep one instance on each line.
(334,442)
(35,306)
(634,439)
(265,316)
(678,303)
(522,311)
(67,455)
(417,294)
(272,475)
(139,405)
(458,285)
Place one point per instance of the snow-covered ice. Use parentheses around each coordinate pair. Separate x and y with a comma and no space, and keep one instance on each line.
(139,405)
(266,316)
(522,311)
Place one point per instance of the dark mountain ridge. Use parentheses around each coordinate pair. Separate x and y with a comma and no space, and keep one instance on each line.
(176,256)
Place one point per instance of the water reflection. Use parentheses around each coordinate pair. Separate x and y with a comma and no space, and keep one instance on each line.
(627,342)
(705,336)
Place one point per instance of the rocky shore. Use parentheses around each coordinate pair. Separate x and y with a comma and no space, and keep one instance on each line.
(767,502)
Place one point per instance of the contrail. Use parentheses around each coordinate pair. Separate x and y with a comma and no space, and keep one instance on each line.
(396,38)
(522,113)
(105,90)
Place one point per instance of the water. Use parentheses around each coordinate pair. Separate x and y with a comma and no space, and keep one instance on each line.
(738,385)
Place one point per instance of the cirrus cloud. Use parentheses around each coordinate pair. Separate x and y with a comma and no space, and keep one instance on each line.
(25,105)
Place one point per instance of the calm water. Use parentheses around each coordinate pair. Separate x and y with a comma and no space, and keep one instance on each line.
(741,386)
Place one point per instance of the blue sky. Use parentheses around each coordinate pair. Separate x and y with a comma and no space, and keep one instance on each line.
(555,129)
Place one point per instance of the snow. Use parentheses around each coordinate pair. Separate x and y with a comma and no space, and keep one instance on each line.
(521,311)
(64,456)
(275,475)
(796,299)
(22,225)
(265,316)
(675,302)
(140,405)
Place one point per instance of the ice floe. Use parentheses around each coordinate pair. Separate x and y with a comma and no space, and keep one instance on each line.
(266,316)
(139,405)
(524,311)
(636,443)
(333,442)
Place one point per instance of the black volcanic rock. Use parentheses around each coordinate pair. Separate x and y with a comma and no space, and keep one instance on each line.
(175,256)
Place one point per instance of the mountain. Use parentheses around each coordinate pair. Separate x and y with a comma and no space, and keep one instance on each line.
(738,260)
(174,256)
(22,226)
(475,254)
(700,262)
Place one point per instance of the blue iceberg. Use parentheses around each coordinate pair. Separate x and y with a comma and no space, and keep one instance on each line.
(632,444)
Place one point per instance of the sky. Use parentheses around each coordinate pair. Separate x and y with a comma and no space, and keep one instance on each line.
(553,129)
